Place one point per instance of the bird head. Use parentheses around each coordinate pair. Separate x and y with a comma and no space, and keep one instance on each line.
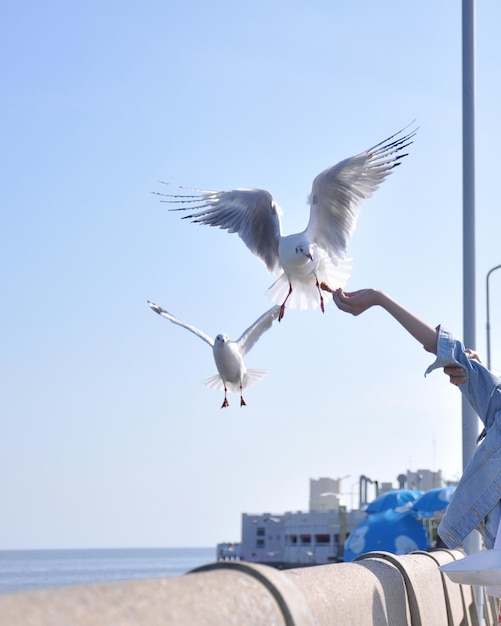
(222,338)
(305,249)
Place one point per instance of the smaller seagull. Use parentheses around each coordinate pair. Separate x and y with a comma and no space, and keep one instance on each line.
(229,355)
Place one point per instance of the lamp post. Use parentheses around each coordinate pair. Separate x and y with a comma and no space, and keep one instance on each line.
(488,325)
(362,499)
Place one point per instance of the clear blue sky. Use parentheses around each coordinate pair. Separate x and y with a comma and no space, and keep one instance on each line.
(108,436)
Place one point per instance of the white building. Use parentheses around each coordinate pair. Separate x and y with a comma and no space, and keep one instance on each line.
(424,479)
(325,494)
(297,537)
(315,536)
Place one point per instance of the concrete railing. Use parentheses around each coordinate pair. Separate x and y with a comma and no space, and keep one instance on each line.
(377,589)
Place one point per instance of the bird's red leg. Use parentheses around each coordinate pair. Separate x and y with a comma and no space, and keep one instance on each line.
(320,294)
(225,402)
(282,306)
(242,401)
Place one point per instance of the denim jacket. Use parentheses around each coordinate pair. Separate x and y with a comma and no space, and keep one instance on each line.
(476,503)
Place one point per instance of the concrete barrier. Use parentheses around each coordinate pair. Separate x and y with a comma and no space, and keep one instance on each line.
(348,594)
(429,595)
(461,607)
(379,589)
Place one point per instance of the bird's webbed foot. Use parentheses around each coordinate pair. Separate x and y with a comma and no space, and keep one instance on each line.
(242,401)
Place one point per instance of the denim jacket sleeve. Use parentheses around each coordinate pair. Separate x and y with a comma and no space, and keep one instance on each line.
(476,501)
(482,387)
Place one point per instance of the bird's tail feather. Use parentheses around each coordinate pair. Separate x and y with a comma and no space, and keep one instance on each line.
(251,376)
(335,272)
(304,292)
(214,382)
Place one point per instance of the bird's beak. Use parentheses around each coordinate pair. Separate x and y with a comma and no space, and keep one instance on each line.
(310,256)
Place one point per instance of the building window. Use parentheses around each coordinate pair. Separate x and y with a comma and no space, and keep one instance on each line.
(322,540)
(260,531)
(305,540)
(260,543)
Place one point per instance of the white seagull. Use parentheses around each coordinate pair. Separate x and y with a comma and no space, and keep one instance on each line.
(317,254)
(229,355)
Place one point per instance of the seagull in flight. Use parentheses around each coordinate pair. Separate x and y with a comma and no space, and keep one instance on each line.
(300,261)
(229,355)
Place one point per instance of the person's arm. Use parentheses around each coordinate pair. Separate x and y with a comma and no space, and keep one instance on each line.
(356,302)
(478,385)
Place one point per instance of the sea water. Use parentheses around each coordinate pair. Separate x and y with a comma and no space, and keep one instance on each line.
(22,570)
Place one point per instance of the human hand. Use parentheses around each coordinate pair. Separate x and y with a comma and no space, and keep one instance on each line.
(354,302)
(456,373)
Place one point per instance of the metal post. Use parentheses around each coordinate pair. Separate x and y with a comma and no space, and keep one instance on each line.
(488,324)
(470,419)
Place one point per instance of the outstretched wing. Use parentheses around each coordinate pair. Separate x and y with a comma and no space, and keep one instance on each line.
(252,213)
(174,320)
(338,192)
(261,325)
